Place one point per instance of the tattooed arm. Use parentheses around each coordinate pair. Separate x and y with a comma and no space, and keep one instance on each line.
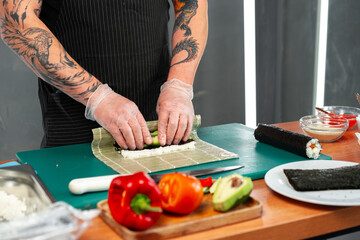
(189,38)
(174,106)
(23,31)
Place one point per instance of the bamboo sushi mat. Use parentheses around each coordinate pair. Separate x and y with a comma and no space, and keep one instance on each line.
(103,149)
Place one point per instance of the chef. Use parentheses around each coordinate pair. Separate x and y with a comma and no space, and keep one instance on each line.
(108,63)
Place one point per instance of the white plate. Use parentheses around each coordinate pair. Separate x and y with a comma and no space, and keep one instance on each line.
(278,182)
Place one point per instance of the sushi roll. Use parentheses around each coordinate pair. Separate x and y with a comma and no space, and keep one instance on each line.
(290,141)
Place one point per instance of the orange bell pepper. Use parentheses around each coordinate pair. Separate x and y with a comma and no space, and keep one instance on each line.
(181,193)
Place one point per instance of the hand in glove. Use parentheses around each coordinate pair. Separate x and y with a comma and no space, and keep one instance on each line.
(175,111)
(120,116)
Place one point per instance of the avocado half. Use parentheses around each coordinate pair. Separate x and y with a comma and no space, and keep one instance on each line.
(231,191)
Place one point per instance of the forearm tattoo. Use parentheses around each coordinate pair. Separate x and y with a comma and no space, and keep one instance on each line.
(186,10)
(33,45)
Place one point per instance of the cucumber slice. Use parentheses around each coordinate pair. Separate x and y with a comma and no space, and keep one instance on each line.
(231,191)
(154,133)
(155,141)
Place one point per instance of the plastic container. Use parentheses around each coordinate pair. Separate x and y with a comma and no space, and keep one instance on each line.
(21,195)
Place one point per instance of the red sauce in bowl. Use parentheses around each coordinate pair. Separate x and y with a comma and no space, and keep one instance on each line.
(350,117)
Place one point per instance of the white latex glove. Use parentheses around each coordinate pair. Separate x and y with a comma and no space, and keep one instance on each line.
(175,111)
(120,116)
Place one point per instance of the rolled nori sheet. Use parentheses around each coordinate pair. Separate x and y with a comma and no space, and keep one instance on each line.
(281,138)
(324,179)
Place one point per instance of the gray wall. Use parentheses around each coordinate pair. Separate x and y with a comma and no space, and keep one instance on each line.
(285,41)
(20,119)
(219,85)
(285,45)
(343,53)
(218,91)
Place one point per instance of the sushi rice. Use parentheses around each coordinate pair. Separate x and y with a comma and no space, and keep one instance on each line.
(11,207)
(313,148)
(133,154)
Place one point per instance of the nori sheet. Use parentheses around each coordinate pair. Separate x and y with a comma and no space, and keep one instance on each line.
(324,179)
(281,138)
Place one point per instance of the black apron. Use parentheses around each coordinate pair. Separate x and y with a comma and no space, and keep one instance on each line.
(123,43)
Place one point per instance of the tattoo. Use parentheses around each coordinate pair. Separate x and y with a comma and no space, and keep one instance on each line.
(190,46)
(33,45)
(38,10)
(187,9)
(86,94)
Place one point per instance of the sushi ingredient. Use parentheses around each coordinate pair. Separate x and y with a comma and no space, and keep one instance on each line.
(313,148)
(350,117)
(213,187)
(323,133)
(134,154)
(231,191)
(11,207)
(324,128)
(154,149)
(181,193)
(206,190)
(324,179)
(155,142)
(300,144)
(206,182)
(135,201)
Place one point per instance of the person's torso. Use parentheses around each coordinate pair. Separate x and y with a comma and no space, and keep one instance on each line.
(121,42)
(118,41)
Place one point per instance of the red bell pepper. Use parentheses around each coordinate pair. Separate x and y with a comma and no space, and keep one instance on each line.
(206,182)
(181,193)
(135,201)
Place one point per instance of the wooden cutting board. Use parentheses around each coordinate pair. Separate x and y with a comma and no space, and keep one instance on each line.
(171,225)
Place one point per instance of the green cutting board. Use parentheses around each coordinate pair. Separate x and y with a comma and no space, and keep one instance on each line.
(56,167)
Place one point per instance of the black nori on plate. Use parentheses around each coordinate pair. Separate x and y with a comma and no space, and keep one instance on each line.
(281,138)
(324,179)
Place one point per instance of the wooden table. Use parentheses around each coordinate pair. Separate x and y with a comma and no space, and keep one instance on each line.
(282,218)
